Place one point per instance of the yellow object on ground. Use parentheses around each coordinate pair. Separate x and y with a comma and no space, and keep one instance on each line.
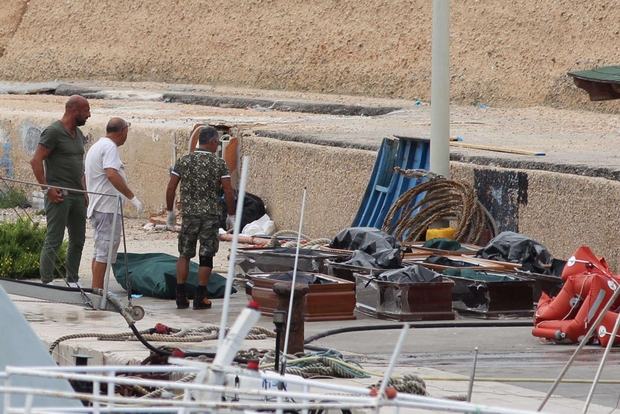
(444,233)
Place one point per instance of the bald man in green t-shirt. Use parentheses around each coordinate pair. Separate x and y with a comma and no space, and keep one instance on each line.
(58,161)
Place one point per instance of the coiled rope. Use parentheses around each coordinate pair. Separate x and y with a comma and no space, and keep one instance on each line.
(320,364)
(409,383)
(204,333)
(413,384)
(444,199)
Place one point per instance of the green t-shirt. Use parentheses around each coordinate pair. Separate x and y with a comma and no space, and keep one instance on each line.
(64,166)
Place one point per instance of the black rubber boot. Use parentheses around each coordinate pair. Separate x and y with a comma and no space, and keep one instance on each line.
(200,300)
(182,302)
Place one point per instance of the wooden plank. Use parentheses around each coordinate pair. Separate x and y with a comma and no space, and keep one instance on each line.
(496,149)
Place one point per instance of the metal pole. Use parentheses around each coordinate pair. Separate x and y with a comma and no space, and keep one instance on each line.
(106,279)
(392,364)
(473,375)
(290,303)
(602,364)
(440,89)
(233,250)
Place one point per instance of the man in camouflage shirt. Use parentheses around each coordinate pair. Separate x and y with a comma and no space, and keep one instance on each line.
(203,176)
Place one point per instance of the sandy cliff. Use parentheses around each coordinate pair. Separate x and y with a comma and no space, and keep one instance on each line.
(502,53)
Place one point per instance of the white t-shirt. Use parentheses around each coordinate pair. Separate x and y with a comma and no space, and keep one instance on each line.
(103,154)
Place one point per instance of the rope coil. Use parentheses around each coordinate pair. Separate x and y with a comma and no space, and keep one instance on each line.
(408,220)
(205,333)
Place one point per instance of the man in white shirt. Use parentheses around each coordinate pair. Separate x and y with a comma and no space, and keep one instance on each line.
(105,174)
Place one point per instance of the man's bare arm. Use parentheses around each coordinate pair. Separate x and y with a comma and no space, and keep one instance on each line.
(118,182)
(171,191)
(36,162)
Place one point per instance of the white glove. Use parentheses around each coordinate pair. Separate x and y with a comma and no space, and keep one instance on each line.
(138,205)
(230,222)
(171,220)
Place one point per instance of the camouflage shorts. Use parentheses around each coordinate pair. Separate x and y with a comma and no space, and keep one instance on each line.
(199,228)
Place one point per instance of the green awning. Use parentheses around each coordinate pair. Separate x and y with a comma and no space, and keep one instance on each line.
(601,84)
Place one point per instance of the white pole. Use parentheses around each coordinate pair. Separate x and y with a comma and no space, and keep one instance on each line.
(233,250)
(440,89)
(106,278)
(293,281)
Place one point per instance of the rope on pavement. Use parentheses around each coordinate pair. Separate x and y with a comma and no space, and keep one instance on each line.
(205,333)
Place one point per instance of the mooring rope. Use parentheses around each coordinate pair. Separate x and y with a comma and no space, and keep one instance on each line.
(272,242)
(311,245)
(444,199)
(204,333)
(325,364)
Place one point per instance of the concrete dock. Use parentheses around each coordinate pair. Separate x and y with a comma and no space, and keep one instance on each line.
(514,368)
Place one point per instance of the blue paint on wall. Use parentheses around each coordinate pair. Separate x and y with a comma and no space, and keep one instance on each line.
(6,162)
(502,192)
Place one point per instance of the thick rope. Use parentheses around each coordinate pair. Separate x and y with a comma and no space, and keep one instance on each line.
(410,384)
(311,245)
(159,391)
(444,199)
(324,364)
(205,333)
(413,384)
(272,242)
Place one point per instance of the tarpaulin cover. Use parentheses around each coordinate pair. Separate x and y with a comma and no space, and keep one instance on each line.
(515,248)
(444,261)
(443,244)
(280,259)
(253,209)
(380,245)
(479,275)
(360,259)
(410,274)
(154,275)
(307,278)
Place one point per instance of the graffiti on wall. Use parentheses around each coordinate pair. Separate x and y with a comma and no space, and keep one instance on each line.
(6,162)
(502,192)
(30,134)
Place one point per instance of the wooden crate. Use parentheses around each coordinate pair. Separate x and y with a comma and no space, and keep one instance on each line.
(275,260)
(495,298)
(475,263)
(412,301)
(324,302)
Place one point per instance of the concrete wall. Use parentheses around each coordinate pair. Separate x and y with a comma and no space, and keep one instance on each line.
(148,154)
(561,211)
(335,180)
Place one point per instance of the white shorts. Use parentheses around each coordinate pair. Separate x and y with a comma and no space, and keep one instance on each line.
(102,223)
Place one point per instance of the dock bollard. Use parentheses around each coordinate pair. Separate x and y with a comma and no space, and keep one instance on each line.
(296,331)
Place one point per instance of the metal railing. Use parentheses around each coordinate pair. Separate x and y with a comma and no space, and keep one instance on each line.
(118,211)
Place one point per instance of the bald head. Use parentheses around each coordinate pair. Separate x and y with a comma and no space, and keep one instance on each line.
(75,102)
(116,125)
(77,110)
(117,130)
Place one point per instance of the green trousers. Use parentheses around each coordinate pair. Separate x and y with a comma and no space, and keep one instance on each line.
(71,213)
